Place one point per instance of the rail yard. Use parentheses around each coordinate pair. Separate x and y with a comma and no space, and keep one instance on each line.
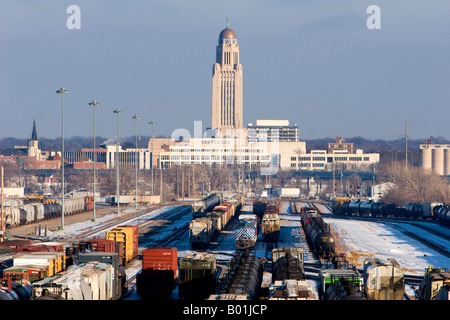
(227,248)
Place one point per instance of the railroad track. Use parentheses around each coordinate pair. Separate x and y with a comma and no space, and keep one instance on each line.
(430,244)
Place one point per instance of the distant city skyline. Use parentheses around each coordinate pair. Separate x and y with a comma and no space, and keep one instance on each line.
(317,65)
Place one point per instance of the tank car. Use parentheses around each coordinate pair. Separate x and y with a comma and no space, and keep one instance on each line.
(317,232)
(246,231)
(443,215)
(200,207)
(287,263)
(337,204)
(12,290)
(245,276)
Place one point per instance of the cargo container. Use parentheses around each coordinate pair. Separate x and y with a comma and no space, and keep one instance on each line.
(159,273)
(197,276)
(127,237)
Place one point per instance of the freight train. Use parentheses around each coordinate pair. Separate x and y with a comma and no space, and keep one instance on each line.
(425,211)
(317,233)
(96,265)
(243,277)
(203,230)
(201,207)
(246,231)
(270,223)
(287,263)
(36,211)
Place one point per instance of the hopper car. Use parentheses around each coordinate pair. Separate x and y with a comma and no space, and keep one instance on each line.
(36,212)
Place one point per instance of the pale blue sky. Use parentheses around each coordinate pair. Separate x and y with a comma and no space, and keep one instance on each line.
(314,63)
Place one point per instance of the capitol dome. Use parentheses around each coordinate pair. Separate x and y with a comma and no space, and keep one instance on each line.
(227,33)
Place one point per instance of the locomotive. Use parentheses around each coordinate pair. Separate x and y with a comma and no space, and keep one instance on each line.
(317,233)
(246,231)
(271,223)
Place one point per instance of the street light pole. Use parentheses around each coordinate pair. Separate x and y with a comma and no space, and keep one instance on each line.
(152,123)
(118,112)
(62,91)
(94,103)
(136,117)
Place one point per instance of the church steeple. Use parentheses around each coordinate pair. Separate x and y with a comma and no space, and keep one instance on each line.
(33,144)
(34,133)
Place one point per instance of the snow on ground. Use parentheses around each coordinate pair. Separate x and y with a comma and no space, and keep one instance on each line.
(80,227)
(386,242)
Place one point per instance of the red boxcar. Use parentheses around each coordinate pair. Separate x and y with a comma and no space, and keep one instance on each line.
(159,272)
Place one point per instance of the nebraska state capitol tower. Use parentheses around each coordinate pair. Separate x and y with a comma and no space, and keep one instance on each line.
(227,102)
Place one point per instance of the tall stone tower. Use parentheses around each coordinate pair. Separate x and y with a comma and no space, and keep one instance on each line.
(227,104)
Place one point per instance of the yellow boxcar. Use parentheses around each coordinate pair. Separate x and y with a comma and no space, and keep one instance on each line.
(125,235)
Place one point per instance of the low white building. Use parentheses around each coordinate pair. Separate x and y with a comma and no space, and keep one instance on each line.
(321,160)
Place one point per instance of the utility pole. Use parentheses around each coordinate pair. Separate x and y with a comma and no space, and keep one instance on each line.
(406,143)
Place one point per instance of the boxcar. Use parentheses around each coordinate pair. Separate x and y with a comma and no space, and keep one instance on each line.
(159,273)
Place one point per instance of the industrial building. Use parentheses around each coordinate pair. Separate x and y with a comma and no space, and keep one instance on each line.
(436,158)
